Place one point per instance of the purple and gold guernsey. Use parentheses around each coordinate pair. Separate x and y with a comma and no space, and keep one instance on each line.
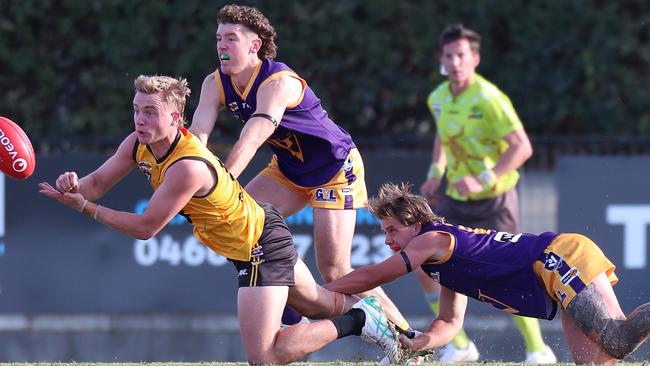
(495,268)
(310,147)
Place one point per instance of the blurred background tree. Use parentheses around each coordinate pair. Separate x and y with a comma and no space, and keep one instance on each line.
(574,67)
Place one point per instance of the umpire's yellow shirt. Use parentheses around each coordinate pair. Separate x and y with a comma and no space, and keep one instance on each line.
(227,219)
(471,127)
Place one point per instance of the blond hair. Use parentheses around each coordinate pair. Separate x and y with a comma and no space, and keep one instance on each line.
(175,91)
(397,202)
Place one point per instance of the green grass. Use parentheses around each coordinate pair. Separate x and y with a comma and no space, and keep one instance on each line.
(337,363)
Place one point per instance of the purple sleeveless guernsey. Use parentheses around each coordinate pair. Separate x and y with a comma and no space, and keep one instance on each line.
(310,147)
(495,268)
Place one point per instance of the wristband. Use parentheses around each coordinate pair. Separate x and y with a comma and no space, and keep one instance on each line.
(267,117)
(83,205)
(96,212)
(488,178)
(436,171)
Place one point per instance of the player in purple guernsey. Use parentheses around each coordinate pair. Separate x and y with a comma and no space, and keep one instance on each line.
(523,274)
(310,148)
(315,161)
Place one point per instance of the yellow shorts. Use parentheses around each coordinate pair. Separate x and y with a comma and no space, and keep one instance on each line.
(345,191)
(572,262)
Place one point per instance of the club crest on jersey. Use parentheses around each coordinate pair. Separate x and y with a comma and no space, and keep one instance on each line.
(348,165)
(325,195)
(553,262)
(145,167)
(234,107)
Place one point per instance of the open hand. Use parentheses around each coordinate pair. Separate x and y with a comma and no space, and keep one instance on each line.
(72,200)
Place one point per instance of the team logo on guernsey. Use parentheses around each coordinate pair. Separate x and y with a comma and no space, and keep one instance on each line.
(348,165)
(569,276)
(436,110)
(553,262)
(290,143)
(233,107)
(145,168)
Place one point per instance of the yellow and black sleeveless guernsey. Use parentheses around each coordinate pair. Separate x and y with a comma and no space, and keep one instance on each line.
(227,219)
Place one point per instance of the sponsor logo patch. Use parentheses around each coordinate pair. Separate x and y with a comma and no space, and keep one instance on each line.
(325,195)
(569,276)
(553,262)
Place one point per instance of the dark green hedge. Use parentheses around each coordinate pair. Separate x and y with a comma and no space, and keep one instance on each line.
(576,67)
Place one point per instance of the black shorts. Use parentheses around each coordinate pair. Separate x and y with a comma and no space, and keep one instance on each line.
(500,213)
(274,257)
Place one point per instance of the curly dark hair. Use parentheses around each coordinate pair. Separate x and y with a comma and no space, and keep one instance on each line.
(254,20)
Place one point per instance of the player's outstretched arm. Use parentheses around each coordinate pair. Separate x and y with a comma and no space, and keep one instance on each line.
(97,183)
(94,185)
(182,180)
(273,98)
(419,250)
(206,113)
(445,327)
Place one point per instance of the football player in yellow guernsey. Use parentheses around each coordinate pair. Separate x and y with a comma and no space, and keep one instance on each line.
(480,142)
(188,178)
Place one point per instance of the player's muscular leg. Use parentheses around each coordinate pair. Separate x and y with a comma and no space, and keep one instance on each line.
(285,200)
(314,301)
(259,311)
(333,232)
(597,313)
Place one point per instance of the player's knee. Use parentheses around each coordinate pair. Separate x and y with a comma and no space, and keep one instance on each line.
(331,272)
(276,355)
(267,359)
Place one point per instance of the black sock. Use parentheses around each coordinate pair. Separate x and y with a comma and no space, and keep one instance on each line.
(349,323)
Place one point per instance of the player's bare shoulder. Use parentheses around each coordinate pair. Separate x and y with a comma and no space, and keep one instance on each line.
(211,91)
(287,88)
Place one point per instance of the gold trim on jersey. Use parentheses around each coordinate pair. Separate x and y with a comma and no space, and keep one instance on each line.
(222,95)
(243,95)
(293,75)
(450,250)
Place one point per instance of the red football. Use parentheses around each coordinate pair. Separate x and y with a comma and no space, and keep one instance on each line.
(17,158)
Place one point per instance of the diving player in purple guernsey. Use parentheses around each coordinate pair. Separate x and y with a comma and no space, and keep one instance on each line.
(523,274)
(315,161)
